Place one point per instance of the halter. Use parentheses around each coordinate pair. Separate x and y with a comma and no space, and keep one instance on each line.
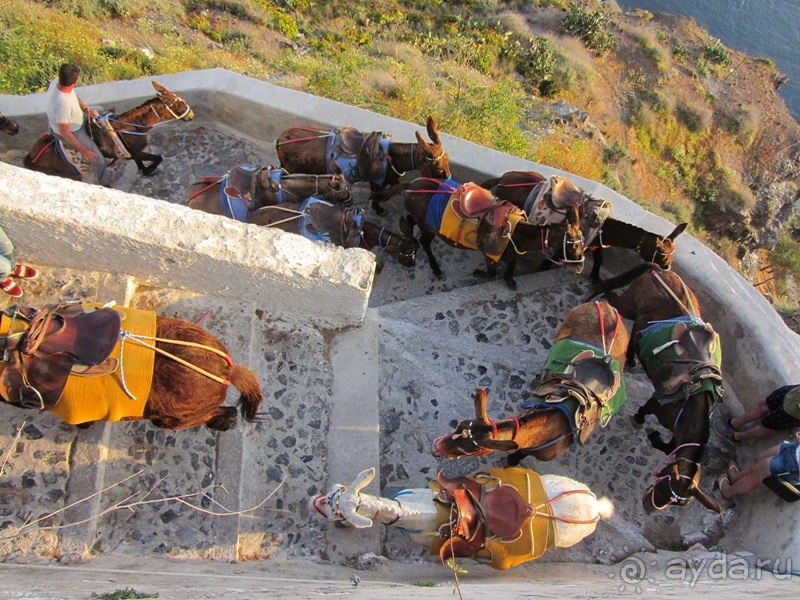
(675,499)
(466,434)
(667,255)
(169,108)
(155,112)
(383,246)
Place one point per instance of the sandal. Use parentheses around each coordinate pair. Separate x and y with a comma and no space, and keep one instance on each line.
(10,287)
(718,485)
(733,468)
(25,272)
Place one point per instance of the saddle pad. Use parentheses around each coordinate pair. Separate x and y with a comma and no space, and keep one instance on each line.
(76,161)
(538,532)
(276,175)
(655,350)
(103,398)
(564,351)
(232,207)
(438,203)
(462,232)
(349,163)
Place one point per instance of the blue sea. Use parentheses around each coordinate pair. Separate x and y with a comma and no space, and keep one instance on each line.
(760,28)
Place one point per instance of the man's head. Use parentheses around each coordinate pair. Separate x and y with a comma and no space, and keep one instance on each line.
(68,74)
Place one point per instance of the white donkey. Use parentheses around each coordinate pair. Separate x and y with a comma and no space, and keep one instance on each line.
(567,507)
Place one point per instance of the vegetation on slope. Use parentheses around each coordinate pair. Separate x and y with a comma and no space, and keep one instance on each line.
(649,105)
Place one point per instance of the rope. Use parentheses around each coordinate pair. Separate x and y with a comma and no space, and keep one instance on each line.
(692,312)
(125,335)
(208,187)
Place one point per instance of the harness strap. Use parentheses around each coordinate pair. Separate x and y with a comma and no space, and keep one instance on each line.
(208,187)
(691,312)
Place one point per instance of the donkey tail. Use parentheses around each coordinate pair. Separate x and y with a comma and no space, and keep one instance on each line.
(247,383)
(624,279)
(605,508)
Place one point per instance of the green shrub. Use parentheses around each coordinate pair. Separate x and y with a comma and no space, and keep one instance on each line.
(716,53)
(786,255)
(536,61)
(591,27)
(615,153)
(696,117)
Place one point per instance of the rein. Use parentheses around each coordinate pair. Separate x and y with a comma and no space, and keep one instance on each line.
(675,498)
(139,339)
(208,187)
(693,311)
(566,519)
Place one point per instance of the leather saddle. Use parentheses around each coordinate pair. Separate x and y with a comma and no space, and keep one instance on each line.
(480,514)
(588,378)
(564,195)
(42,348)
(244,183)
(695,346)
(474,202)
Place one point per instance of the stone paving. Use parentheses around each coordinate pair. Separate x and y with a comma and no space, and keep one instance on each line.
(437,341)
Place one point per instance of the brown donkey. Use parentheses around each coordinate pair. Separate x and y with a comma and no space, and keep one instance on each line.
(8,126)
(681,355)
(580,386)
(521,189)
(311,149)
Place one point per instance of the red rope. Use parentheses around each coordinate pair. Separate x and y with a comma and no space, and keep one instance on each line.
(208,187)
(45,147)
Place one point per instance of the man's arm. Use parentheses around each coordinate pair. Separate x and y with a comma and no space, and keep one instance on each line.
(66,133)
(89,111)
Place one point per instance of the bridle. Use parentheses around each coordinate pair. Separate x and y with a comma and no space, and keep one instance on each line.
(667,256)
(675,499)
(407,257)
(466,434)
(175,117)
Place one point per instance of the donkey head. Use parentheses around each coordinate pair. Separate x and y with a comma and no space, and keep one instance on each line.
(431,158)
(474,437)
(664,249)
(176,106)
(677,485)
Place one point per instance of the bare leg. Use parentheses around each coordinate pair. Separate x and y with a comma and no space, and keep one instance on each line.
(754,414)
(754,433)
(746,481)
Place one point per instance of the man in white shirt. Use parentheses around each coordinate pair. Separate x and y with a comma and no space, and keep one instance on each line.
(65,113)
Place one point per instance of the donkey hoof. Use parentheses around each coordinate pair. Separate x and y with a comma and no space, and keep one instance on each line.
(638,421)
(379,210)
(481,273)
(512,285)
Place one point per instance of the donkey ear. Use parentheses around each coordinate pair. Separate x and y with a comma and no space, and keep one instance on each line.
(433,131)
(677,231)
(574,216)
(423,144)
(705,500)
(159,88)
(480,404)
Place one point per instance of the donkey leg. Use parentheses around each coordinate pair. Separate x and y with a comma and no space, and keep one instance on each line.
(490,272)
(657,442)
(597,262)
(425,241)
(376,206)
(153,159)
(509,274)
(645,409)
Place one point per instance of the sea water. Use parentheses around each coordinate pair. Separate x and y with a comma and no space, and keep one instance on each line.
(759,28)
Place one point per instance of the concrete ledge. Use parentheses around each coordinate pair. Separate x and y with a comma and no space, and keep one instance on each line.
(69,224)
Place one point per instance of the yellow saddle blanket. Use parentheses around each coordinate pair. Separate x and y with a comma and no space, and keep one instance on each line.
(103,398)
(538,531)
(463,231)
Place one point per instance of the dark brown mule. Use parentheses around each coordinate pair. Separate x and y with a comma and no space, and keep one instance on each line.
(687,387)
(8,126)
(526,237)
(266,186)
(546,430)
(516,187)
(131,126)
(337,224)
(179,396)
(304,149)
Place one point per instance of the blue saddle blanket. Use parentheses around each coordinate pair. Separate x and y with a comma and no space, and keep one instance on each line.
(438,203)
(349,164)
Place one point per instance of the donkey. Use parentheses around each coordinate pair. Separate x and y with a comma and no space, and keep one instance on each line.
(344,227)
(580,386)
(522,188)
(250,189)
(309,149)
(85,364)
(466,216)
(681,355)
(498,513)
(8,126)
(131,127)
